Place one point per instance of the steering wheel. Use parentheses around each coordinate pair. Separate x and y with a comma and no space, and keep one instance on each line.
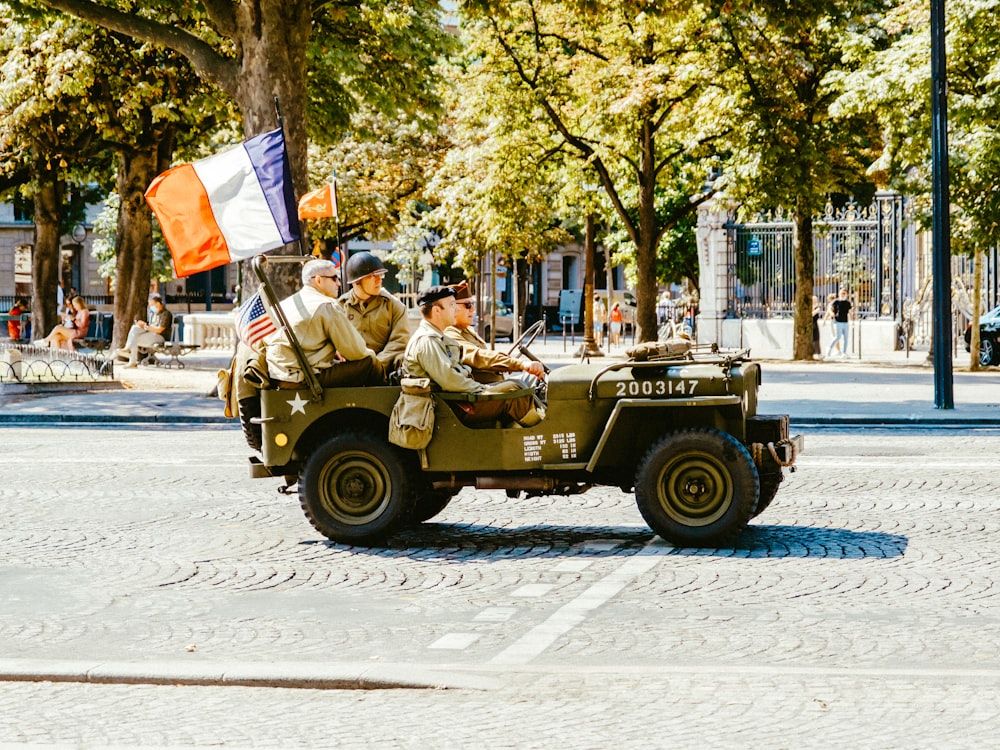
(525,340)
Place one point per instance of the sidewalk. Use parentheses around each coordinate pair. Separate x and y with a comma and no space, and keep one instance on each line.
(897,390)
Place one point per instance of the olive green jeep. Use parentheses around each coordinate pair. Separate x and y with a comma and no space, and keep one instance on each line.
(679,428)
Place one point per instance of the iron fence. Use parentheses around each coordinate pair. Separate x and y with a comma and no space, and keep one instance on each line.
(869,251)
(24,363)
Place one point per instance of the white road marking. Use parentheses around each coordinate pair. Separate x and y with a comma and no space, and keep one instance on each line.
(574,565)
(540,637)
(495,614)
(533,589)
(455,641)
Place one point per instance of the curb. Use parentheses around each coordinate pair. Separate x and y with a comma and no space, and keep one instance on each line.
(892,422)
(225,674)
(70,419)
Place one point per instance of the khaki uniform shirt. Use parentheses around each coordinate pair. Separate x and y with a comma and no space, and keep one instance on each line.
(487,364)
(323,330)
(382,324)
(431,354)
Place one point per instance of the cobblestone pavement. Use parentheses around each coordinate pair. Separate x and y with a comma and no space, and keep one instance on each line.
(860,610)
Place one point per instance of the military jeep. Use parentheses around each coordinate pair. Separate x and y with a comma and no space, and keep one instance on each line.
(680,429)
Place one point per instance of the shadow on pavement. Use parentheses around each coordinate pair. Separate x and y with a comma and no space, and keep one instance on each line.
(463,542)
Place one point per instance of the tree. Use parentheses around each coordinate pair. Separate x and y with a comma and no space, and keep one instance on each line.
(893,81)
(144,99)
(44,138)
(619,86)
(258,50)
(382,166)
(131,99)
(782,63)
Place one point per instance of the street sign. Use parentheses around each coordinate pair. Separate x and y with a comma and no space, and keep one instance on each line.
(754,246)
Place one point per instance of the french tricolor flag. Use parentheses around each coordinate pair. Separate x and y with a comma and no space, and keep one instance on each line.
(227,207)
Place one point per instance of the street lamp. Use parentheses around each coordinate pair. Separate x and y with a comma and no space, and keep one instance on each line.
(941,223)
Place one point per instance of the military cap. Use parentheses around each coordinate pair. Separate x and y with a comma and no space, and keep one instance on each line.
(433,294)
(462,290)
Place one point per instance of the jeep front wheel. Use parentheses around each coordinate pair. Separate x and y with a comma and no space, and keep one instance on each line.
(697,488)
(354,489)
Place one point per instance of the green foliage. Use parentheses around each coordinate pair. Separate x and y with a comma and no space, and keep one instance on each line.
(610,94)
(783,67)
(893,80)
(105,242)
(374,57)
(381,168)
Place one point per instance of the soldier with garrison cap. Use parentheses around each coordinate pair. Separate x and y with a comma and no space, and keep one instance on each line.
(488,365)
(432,354)
(379,317)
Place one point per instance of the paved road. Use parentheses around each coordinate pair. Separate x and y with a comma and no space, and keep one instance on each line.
(860,610)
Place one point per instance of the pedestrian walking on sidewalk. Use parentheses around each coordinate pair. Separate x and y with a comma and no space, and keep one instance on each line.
(842,316)
(817,313)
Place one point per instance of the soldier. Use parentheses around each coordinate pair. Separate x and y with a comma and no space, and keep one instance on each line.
(487,364)
(432,354)
(332,346)
(379,317)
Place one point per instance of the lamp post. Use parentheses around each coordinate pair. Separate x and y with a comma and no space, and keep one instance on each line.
(941,222)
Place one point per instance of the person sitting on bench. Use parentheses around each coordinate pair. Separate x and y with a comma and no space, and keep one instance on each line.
(75,327)
(144,334)
(432,354)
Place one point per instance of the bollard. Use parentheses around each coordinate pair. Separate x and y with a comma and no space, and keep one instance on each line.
(13,358)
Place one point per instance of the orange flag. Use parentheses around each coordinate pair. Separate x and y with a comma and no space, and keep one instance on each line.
(319,204)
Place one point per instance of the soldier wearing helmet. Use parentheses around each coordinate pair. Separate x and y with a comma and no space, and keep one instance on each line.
(379,317)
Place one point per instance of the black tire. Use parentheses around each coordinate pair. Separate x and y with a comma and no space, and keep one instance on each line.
(988,354)
(250,408)
(355,489)
(697,488)
(769,483)
(428,503)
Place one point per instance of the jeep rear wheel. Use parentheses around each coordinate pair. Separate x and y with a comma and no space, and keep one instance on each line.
(354,489)
(697,488)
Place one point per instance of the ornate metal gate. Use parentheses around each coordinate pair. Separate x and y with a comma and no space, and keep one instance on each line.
(870,251)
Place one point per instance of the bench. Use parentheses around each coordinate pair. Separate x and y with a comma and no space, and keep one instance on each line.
(174,350)
(97,344)
(7,317)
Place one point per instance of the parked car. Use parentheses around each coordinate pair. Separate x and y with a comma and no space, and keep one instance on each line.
(504,320)
(989,337)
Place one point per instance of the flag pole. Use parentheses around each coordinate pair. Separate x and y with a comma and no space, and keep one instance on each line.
(336,219)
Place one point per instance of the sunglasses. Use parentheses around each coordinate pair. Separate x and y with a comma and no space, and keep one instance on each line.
(467,305)
(330,277)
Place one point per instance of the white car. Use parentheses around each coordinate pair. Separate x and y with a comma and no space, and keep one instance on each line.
(504,321)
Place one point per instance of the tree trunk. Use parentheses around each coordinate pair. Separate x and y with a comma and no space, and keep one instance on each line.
(46,260)
(135,241)
(805,270)
(977,300)
(649,240)
(274,36)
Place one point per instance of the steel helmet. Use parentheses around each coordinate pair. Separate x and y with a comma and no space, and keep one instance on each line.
(360,265)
